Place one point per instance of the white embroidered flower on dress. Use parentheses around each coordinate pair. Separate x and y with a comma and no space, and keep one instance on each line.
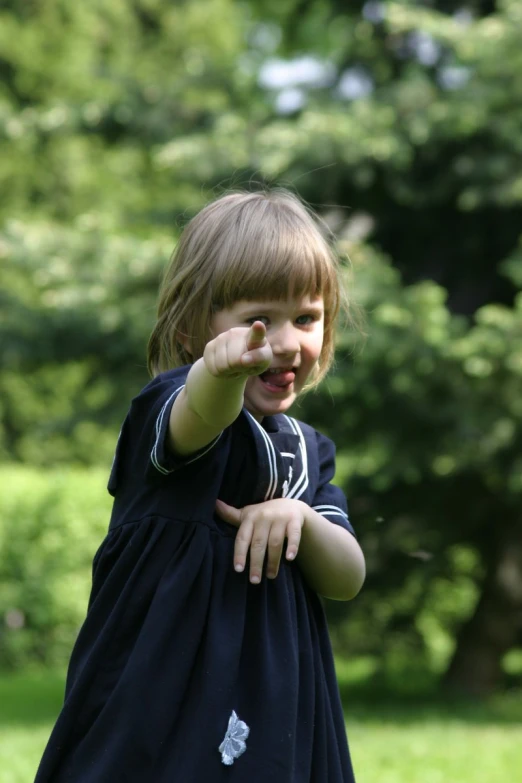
(234,743)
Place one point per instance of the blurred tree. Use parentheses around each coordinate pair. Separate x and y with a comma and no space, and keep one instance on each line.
(138,110)
(80,304)
(417,122)
(90,92)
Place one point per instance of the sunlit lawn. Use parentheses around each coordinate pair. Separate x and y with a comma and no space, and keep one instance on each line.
(393,739)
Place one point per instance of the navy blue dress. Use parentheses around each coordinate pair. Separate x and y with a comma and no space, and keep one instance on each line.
(183,671)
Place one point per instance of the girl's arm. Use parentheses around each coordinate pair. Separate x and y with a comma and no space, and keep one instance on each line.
(213,394)
(328,555)
(330,558)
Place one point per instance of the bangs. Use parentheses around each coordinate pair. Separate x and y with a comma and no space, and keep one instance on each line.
(279,255)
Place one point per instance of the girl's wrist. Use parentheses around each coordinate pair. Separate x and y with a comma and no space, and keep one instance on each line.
(215,399)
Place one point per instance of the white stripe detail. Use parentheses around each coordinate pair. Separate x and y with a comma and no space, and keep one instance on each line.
(287,454)
(332,514)
(202,454)
(334,510)
(159,422)
(302,482)
(272,462)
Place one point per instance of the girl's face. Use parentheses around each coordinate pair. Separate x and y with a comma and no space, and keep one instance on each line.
(294,329)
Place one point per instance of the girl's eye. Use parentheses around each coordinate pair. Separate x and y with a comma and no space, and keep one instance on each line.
(261,318)
(304,320)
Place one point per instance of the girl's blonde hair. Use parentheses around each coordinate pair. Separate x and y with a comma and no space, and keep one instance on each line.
(254,246)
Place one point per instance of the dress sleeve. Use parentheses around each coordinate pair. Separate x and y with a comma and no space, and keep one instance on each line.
(329,500)
(162,459)
(143,450)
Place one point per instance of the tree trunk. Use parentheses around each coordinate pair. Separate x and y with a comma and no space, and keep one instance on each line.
(495,627)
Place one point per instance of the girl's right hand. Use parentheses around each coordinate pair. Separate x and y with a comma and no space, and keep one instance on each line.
(239,352)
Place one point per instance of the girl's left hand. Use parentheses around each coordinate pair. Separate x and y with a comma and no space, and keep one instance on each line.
(263,528)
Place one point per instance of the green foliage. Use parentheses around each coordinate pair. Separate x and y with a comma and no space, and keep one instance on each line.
(92,89)
(51,523)
(436,390)
(81,303)
(132,107)
(417,113)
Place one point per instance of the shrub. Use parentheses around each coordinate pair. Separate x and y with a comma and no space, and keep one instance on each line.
(51,523)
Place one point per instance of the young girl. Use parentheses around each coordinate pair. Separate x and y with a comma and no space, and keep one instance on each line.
(205,654)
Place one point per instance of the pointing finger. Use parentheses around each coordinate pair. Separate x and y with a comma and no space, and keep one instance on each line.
(256,336)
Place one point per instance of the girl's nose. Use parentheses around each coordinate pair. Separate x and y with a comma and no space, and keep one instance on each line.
(286,340)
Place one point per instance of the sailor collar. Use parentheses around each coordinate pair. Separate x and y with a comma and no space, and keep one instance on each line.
(281,454)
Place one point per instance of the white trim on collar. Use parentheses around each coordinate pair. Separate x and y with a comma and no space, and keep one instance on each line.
(302,482)
(272,461)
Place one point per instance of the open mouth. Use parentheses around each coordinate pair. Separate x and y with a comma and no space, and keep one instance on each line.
(278,379)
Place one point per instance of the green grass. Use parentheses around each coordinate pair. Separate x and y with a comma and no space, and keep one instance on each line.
(402,731)
(29,704)
(394,737)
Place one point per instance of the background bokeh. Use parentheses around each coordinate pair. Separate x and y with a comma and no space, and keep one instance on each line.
(400,122)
